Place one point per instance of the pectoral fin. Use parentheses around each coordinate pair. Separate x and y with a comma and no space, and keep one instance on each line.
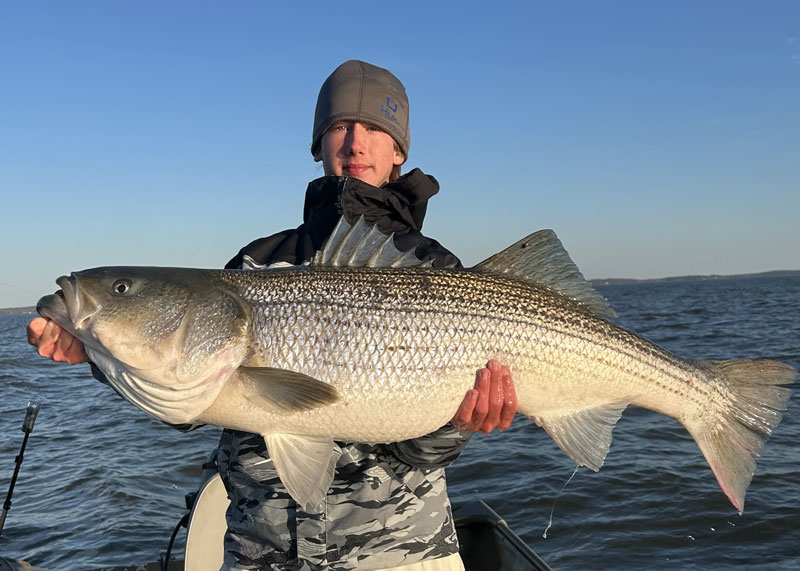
(585,435)
(305,465)
(289,390)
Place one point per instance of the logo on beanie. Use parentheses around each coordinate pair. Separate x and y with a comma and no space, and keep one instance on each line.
(389,110)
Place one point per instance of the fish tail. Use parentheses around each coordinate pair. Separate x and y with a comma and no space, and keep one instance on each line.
(757,390)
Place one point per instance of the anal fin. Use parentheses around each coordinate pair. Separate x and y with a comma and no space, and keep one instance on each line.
(585,435)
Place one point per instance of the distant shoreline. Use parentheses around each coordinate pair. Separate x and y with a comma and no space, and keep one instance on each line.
(770,274)
(596,282)
(17,310)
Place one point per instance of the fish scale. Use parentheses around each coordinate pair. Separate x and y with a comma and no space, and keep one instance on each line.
(428,334)
(306,356)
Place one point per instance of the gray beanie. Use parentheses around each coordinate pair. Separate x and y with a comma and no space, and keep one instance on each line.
(359,91)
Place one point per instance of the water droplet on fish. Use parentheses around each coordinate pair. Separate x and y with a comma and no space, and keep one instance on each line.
(712,529)
(690,537)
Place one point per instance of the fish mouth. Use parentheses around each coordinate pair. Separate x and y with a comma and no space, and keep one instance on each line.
(53,307)
(69,306)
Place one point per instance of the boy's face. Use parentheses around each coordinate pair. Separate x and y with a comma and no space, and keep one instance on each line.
(360,150)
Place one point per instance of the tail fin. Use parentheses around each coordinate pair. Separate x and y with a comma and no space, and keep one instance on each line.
(758,390)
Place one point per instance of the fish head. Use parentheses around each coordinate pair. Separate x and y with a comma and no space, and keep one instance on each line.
(161,335)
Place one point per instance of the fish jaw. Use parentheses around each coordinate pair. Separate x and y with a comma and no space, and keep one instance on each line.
(53,307)
(81,307)
(69,307)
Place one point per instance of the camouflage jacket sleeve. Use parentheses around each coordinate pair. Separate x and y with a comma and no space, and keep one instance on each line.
(436,450)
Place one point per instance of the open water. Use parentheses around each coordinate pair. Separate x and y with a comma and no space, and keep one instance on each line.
(103,484)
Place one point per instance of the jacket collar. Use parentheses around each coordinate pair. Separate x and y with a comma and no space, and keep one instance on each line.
(398,206)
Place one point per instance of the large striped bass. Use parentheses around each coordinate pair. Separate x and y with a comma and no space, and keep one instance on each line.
(366,344)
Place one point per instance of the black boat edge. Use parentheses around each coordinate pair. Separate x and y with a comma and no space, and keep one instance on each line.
(487,543)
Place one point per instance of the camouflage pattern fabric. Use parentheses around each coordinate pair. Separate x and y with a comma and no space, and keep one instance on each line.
(386,507)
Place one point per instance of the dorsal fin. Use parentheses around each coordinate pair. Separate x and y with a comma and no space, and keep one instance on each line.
(248,263)
(541,258)
(364,246)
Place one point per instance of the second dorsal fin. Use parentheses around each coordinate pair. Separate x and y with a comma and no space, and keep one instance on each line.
(541,258)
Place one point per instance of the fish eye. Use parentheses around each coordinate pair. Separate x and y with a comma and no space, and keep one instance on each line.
(121,287)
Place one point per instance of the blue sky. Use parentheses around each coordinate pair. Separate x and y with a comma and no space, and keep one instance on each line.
(656,138)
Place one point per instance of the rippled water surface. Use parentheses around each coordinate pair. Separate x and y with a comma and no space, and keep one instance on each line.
(103,484)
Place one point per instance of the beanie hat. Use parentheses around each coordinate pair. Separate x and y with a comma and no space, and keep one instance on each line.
(359,91)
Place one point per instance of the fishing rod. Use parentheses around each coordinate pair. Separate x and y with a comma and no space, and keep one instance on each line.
(27,428)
